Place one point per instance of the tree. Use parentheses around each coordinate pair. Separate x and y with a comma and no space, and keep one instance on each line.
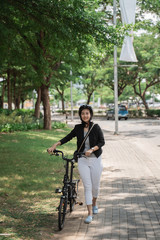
(17,74)
(105,94)
(90,75)
(51,30)
(152,6)
(148,65)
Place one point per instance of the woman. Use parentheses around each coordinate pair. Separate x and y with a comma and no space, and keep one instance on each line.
(90,166)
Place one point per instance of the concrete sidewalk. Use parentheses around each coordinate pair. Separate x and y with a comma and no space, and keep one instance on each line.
(129,200)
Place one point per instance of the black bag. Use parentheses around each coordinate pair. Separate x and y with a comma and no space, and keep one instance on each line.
(75,153)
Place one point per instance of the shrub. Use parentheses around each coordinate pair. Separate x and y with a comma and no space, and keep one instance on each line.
(38,124)
(140,113)
(5,111)
(135,113)
(19,112)
(14,118)
(132,113)
(56,125)
(11,127)
(153,112)
(3,118)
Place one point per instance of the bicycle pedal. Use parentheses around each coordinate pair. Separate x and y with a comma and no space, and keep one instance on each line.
(58,190)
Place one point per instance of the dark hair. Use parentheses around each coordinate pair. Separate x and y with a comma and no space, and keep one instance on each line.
(85,107)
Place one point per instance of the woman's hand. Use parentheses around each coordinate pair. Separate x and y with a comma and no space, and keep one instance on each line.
(51,149)
(88,153)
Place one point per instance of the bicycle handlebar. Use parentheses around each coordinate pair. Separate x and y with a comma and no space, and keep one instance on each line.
(78,154)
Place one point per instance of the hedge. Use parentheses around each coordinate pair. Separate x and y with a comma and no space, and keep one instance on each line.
(19,112)
(153,112)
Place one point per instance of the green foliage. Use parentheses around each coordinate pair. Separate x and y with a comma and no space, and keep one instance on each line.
(45,34)
(59,125)
(22,120)
(12,127)
(153,112)
(149,6)
(135,113)
(5,111)
(147,112)
(19,112)
(127,93)
(106,95)
(12,118)
(92,74)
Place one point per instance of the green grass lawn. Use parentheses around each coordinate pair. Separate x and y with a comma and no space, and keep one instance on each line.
(28,179)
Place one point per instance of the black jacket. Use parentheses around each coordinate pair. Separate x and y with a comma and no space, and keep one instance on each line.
(96,137)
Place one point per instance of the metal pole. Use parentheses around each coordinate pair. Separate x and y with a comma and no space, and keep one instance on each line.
(115,74)
(71,101)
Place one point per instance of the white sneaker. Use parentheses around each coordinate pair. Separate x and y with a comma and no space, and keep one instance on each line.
(88,219)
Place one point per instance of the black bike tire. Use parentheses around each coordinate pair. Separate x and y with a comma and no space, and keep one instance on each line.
(62,212)
(72,199)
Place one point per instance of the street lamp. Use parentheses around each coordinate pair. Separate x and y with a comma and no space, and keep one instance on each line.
(115,74)
(128,16)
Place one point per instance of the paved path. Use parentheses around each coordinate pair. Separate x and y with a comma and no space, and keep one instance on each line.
(129,200)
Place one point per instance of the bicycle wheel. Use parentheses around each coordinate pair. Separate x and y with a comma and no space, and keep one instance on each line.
(62,212)
(72,199)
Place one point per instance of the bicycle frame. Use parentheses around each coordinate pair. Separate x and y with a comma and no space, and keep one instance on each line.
(67,181)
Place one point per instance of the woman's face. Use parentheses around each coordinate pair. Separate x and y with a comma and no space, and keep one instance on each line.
(85,115)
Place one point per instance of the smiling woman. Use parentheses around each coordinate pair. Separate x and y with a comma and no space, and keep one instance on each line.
(90,140)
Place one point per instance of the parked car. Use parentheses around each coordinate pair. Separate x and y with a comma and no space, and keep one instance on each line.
(122,113)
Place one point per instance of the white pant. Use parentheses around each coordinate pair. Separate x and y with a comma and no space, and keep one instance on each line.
(90,170)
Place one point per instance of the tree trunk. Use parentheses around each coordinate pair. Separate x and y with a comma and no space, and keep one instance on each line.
(2,96)
(17,95)
(9,95)
(22,102)
(142,96)
(17,101)
(61,93)
(37,105)
(46,107)
(144,102)
(14,91)
(89,98)
(63,107)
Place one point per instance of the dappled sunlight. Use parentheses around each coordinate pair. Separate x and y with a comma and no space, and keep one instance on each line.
(15,141)
(5,218)
(47,205)
(11,180)
(17,177)
(3,178)
(41,135)
(47,134)
(35,193)
(60,130)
